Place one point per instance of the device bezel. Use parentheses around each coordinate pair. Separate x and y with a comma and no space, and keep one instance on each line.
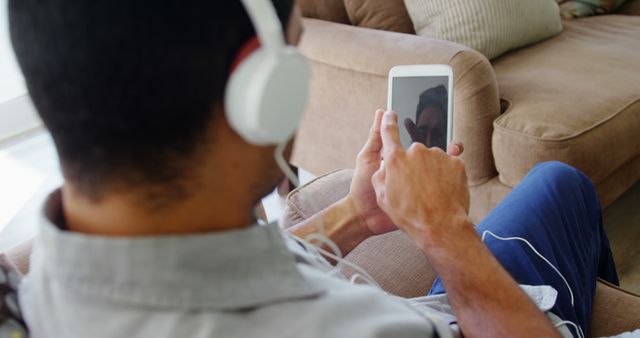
(424,71)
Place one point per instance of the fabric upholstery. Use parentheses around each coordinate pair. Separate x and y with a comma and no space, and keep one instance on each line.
(17,259)
(491,27)
(614,311)
(400,268)
(325,189)
(329,10)
(579,8)
(350,83)
(388,15)
(574,98)
(486,196)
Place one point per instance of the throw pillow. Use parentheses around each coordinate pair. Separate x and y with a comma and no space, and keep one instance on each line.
(329,10)
(578,8)
(491,27)
(388,15)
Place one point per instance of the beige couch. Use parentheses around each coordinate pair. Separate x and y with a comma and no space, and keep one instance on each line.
(573,98)
(401,268)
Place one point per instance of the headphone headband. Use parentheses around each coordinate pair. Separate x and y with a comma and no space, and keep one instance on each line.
(266,23)
(267,92)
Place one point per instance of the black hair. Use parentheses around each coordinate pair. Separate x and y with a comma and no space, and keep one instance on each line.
(435,97)
(128,88)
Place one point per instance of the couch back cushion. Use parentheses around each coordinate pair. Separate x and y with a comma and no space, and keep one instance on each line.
(388,15)
(328,10)
(491,27)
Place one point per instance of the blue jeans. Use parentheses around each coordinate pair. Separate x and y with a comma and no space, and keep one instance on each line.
(555,208)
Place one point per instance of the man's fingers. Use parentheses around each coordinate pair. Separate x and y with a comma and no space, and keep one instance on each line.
(455,149)
(390,134)
(374,142)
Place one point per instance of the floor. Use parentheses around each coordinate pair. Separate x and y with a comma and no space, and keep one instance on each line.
(29,170)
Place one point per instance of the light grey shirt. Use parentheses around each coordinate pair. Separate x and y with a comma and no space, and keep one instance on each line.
(244,283)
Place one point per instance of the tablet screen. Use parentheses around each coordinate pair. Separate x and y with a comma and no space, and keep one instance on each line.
(422,106)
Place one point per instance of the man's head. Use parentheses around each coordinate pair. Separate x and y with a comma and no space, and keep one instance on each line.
(431,117)
(132,92)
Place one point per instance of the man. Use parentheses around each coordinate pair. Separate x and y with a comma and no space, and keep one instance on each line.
(430,127)
(153,235)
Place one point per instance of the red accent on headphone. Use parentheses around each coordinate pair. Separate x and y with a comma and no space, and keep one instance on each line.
(247,49)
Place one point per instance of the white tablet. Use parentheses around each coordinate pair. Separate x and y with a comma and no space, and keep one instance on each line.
(423,98)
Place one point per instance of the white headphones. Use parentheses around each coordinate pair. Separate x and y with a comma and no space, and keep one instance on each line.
(266,94)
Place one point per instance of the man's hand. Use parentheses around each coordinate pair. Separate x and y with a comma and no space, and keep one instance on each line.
(421,189)
(362,196)
(356,217)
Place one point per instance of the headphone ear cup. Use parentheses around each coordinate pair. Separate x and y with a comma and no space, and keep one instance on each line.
(266,96)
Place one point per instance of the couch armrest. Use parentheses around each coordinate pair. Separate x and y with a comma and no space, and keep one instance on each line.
(350,68)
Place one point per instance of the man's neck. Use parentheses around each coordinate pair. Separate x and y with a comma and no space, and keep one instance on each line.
(126,214)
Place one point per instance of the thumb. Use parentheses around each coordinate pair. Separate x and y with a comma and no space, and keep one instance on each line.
(455,149)
(378,181)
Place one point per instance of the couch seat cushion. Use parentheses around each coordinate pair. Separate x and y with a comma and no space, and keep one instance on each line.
(573,98)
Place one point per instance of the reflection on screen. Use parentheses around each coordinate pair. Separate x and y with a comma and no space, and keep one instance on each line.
(430,124)
(426,122)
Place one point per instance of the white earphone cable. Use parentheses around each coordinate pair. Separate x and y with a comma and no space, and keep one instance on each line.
(575,327)
(536,252)
(313,244)
(284,166)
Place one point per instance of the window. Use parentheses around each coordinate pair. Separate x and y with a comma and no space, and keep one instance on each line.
(17,114)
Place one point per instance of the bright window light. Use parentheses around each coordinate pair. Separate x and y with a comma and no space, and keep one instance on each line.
(17,184)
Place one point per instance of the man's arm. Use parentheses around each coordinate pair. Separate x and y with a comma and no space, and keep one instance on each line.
(425,193)
(341,223)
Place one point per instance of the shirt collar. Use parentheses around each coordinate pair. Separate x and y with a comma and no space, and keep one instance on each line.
(230,270)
